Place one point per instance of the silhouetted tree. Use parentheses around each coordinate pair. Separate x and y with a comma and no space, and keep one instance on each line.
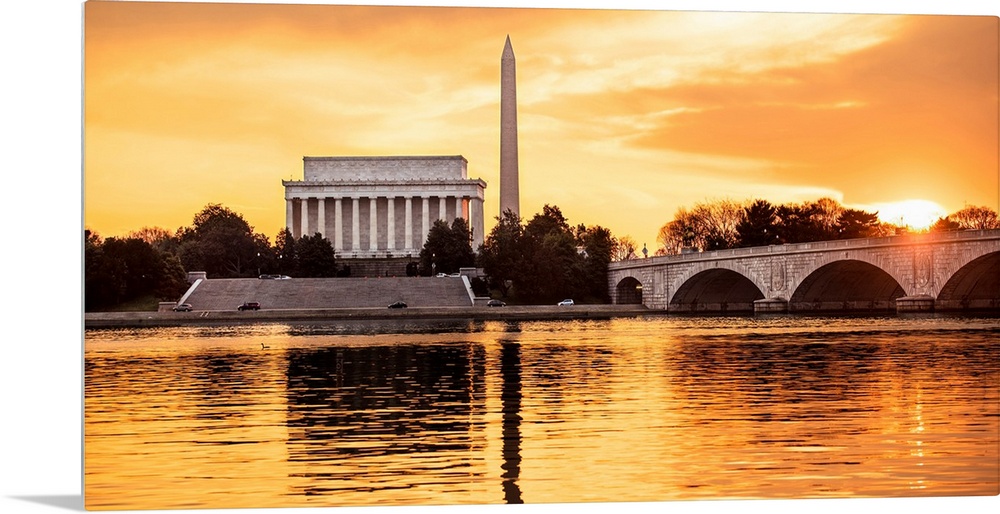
(707,226)
(548,258)
(855,223)
(677,234)
(159,238)
(598,244)
(500,254)
(623,249)
(976,218)
(221,243)
(759,225)
(285,256)
(117,270)
(447,248)
(315,257)
(944,224)
(800,223)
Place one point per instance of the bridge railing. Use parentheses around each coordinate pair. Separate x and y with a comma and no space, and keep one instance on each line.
(815,246)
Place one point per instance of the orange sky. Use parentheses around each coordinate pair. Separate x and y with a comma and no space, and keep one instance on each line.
(624,116)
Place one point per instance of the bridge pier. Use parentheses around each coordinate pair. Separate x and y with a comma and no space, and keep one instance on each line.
(770,305)
(918,303)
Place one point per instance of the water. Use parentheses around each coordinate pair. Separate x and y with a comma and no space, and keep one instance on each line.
(409,413)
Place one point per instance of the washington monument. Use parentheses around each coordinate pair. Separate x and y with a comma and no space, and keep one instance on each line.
(508,132)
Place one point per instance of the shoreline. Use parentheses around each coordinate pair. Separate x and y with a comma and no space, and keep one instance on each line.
(136,319)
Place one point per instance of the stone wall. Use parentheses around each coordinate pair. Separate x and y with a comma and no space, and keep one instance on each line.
(384,168)
(379,267)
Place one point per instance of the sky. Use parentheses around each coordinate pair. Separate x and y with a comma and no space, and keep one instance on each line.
(624,116)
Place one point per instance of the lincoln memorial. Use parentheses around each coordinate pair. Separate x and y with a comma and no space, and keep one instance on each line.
(376,207)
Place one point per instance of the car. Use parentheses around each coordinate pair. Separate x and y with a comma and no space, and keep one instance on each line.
(567,301)
(495,303)
(397,305)
(182,307)
(267,277)
(281,277)
(249,306)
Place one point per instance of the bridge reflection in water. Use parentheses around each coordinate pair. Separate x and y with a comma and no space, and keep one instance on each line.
(950,271)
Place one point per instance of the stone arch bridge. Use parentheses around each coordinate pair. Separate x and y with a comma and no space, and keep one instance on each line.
(910,273)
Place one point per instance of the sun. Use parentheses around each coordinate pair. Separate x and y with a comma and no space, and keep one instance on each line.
(915,214)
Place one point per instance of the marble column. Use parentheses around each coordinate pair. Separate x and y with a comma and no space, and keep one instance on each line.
(390,213)
(476,224)
(408,228)
(458,207)
(321,217)
(443,208)
(289,215)
(304,227)
(338,225)
(355,224)
(373,223)
(426,218)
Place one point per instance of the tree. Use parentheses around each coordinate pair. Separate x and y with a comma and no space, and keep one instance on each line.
(598,244)
(221,243)
(707,226)
(944,224)
(976,218)
(623,249)
(717,222)
(447,249)
(173,279)
(676,235)
(800,223)
(101,286)
(160,238)
(548,258)
(826,215)
(315,257)
(500,254)
(117,270)
(758,226)
(855,223)
(285,255)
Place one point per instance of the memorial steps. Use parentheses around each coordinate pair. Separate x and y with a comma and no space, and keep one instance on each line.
(329,293)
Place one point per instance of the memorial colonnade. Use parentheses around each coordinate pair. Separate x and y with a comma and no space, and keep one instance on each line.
(376,223)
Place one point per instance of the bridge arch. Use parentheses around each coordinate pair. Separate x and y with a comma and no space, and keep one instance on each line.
(628,291)
(975,285)
(844,285)
(716,290)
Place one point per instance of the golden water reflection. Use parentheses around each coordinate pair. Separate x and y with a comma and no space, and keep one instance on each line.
(471,413)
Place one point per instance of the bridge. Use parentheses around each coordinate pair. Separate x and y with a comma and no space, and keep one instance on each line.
(946,271)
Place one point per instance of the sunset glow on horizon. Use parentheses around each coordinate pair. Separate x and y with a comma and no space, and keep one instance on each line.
(915,214)
(624,116)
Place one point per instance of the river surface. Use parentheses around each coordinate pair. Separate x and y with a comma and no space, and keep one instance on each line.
(638,409)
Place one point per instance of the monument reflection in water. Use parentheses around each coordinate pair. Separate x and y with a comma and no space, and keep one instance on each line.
(465,413)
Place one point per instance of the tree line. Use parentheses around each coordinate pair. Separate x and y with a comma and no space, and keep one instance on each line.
(546,259)
(151,263)
(542,260)
(722,224)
